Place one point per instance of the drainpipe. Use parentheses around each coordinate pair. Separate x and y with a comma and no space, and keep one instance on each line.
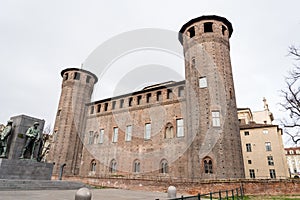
(61,170)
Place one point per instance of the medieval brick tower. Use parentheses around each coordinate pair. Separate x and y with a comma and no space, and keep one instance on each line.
(186,129)
(212,119)
(77,88)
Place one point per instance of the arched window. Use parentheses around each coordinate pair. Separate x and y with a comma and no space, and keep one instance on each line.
(113,166)
(93,166)
(169,131)
(136,166)
(164,167)
(208,166)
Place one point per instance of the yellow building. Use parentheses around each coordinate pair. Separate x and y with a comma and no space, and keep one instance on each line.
(293,161)
(262,145)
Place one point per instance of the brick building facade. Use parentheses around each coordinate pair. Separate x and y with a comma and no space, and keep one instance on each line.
(187,129)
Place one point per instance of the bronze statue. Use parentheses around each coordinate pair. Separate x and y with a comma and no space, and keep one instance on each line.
(4,138)
(32,139)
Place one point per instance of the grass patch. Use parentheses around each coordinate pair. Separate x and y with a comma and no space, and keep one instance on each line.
(290,197)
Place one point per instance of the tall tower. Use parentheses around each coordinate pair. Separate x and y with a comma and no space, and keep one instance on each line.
(212,123)
(66,148)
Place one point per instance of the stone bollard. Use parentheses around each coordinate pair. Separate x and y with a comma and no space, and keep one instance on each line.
(171,192)
(83,194)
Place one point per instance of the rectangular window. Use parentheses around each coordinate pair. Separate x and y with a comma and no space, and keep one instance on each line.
(76,76)
(98,108)
(91,137)
(121,103)
(216,119)
(248,147)
(180,91)
(270,160)
(88,78)
(202,82)
(191,32)
(105,106)
(148,98)
(147,131)
(252,173)
(139,100)
(115,135)
(128,133)
(272,173)
(265,131)
(169,94)
(158,96)
(130,102)
(113,105)
(246,133)
(208,27)
(180,128)
(249,162)
(268,146)
(101,136)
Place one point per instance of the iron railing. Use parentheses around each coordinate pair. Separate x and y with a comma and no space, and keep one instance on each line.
(234,194)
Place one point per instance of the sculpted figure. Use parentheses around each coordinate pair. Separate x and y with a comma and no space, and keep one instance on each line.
(4,138)
(32,139)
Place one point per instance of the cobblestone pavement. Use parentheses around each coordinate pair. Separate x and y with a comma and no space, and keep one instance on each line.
(97,194)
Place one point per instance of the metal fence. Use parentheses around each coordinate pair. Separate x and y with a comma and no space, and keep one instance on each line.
(234,194)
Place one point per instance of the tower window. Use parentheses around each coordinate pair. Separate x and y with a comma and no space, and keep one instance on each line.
(130,101)
(191,32)
(121,103)
(169,131)
(148,97)
(98,108)
(208,27)
(139,100)
(115,135)
(76,76)
(88,79)
(169,94)
(202,82)
(223,29)
(180,91)
(147,135)
(113,166)
(101,136)
(113,105)
(158,96)
(246,133)
(105,106)
(208,167)
(136,166)
(93,166)
(128,133)
(216,119)
(180,128)
(164,168)
(66,76)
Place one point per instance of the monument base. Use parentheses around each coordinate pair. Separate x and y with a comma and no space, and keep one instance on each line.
(25,169)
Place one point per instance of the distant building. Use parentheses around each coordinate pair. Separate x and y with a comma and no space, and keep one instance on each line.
(293,161)
(262,145)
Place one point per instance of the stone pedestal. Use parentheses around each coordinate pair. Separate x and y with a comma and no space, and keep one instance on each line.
(25,169)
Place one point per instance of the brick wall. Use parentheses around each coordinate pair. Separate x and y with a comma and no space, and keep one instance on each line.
(251,187)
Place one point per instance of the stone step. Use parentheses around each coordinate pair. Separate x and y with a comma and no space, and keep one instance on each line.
(6,184)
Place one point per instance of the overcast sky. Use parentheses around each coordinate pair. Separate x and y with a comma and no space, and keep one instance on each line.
(38,39)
